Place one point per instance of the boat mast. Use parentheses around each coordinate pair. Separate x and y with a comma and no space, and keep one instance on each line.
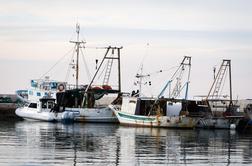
(140,77)
(77,56)
(78,46)
(230,83)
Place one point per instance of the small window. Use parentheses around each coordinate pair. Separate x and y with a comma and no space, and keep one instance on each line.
(50,105)
(38,94)
(30,92)
(33,105)
(132,101)
(43,105)
(170,103)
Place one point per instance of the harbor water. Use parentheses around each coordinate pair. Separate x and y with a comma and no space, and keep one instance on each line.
(27,143)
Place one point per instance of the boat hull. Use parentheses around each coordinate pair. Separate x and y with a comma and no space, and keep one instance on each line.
(213,123)
(33,114)
(154,121)
(100,115)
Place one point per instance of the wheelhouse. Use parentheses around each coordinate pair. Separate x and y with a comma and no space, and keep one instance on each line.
(47,103)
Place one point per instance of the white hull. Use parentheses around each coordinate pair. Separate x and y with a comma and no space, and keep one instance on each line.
(154,121)
(103,115)
(46,115)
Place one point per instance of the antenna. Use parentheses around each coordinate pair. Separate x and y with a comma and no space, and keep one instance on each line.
(214,71)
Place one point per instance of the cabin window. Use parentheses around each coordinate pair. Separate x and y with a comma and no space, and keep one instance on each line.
(30,92)
(50,105)
(33,105)
(46,94)
(170,103)
(34,84)
(44,105)
(53,85)
(38,94)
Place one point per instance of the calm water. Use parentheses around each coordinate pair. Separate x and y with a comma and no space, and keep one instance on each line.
(41,143)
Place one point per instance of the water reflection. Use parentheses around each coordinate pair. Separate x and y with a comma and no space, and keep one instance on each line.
(38,143)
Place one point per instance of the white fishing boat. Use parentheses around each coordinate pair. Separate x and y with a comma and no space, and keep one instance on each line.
(45,110)
(169,114)
(158,112)
(80,100)
(87,99)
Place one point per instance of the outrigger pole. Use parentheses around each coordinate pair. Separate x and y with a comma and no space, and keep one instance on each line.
(107,76)
(215,89)
(177,89)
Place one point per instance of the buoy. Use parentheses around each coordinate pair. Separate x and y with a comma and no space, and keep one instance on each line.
(232,126)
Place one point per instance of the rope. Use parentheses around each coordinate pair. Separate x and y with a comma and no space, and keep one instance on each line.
(86,67)
(56,64)
(68,70)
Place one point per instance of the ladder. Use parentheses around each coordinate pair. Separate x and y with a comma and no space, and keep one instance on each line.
(108,70)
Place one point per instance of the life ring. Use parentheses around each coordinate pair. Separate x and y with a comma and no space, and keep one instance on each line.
(61,87)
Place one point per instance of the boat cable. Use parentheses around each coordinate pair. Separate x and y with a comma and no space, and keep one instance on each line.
(144,57)
(56,63)
(69,65)
(86,66)
(224,81)
(156,73)
(103,71)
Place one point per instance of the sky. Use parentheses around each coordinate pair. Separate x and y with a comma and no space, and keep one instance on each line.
(34,35)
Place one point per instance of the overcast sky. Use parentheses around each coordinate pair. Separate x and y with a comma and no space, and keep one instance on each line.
(35,34)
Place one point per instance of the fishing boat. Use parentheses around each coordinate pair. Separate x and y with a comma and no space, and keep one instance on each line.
(223,113)
(85,102)
(92,100)
(245,123)
(45,110)
(168,112)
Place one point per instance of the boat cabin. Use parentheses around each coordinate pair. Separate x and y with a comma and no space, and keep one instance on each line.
(164,106)
(150,106)
(47,103)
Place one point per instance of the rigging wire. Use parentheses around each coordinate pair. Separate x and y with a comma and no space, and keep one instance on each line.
(151,75)
(86,66)
(69,65)
(56,63)
(103,70)
(224,82)
(144,57)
